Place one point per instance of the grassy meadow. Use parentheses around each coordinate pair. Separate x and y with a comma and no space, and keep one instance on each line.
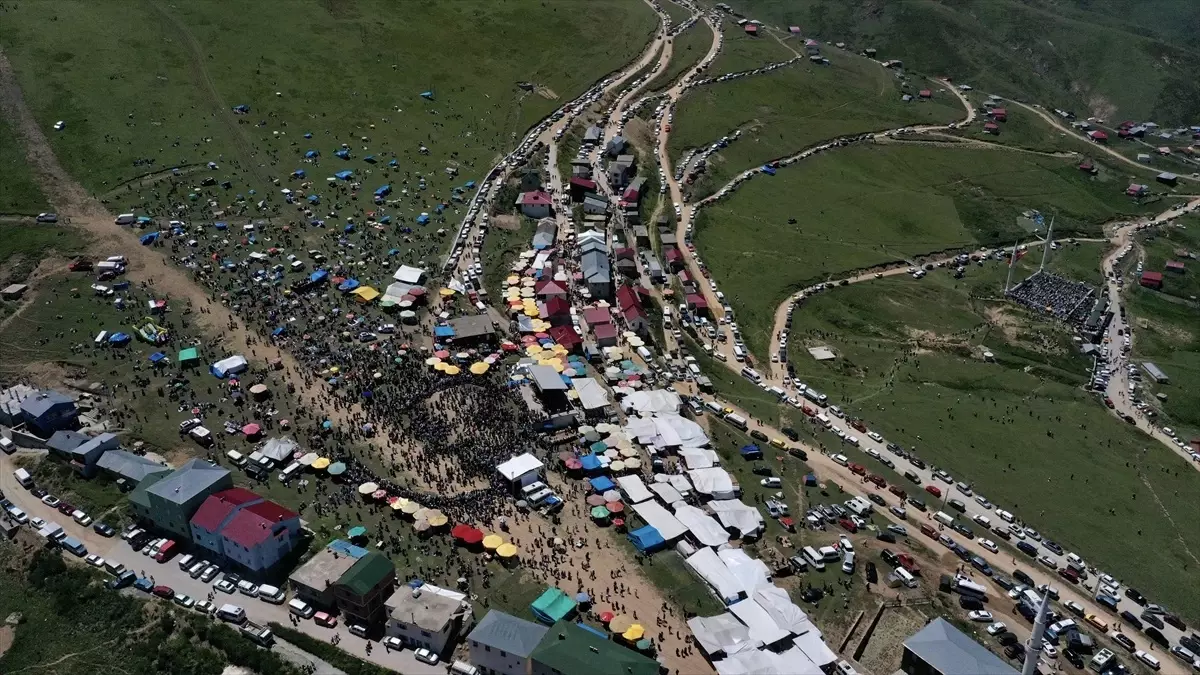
(1168,334)
(687,49)
(19,191)
(874,204)
(741,51)
(794,107)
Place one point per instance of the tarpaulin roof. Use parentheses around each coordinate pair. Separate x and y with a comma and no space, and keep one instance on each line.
(722,634)
(761,625)
(634,489)
(785,613)
(703,528)
(229,366)
(662,520)
(712,481)
(666,492)
(519,466)
(733,514)
(553,605)
(591,394)
(601,484)
(751,573)
(646,539)
(699,458)
(655,401)
(714,572)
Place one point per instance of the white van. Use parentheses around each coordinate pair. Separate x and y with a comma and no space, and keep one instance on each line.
(301,608)
(944,518)
(714,408)
(1147,659)
(271,594)
(828,553)
(461,668)
(905,577)
(231,613)
(738,354)
(186,561)
(7,445)
(841,459)
(751,374)
(23,478)
(532,489)
(814,558)
(236,458)
(125,219)
(290,472)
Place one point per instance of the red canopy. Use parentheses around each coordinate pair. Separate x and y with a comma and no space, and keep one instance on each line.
(605,617)
(615,507)
(473,536)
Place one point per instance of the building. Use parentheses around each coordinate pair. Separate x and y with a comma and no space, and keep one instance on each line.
(998,114)
(557,311)
(616,146)
(593,204)
(606,334)
(597,271)
(1098,136)
(424,615)
(242,528)
(13,292)
(470,329)
(1151,280)
(566,336)
(86,455)
(45,412)
(128,469)
(535,204)
(751,29)
(1167,178)
(501,644)
(1175,266)
(63,442)
(313,582)
(567,649)
(580,187)
(1137,190)
(171,501)
(593,135)
(550,288)
(941,649)
(925,93)
(545,233)
(629,303)
(361,593)
(1155,372)
(523,469)
(991,128)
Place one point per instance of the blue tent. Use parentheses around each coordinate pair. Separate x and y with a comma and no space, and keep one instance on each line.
(470,184)
(589,462)
(348,285)
(383,191)
(601,484)
(312,154)
(318,276)
(369,159)
(157,357)
(308,134)
(220,225)
(646,539)
(751,452)
(443,331)
(427,94)
(298,173)
(343,153)
(241,109)
(344,175)
(279,331)
(422,219)
(393,163)
(119,339)
(314,199)
(393,251)
(148,239)
(348,228)
(768,169)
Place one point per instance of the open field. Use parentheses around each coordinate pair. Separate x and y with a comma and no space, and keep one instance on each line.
(1176,244)
(791,108)
(687,49)
(677,12)
(1048,51)
(342,71)
(19,192)
(1168,334)
(922,199)
(27,245)
(740,52)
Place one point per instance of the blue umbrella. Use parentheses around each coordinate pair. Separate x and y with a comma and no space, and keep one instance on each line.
(583,598)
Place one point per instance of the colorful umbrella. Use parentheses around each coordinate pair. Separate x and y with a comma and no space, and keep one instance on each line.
(599,512)
(506,550)
(321,464)
(634,633)
(335,469)
(492,542)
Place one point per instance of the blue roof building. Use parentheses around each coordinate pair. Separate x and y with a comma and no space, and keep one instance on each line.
(48,411)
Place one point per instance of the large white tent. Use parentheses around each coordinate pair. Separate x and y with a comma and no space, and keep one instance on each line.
(702,526)
(750,572)
(715,482)
(722,634)
(660,519)
(655,401)
(699,458)
(713,571)
(634,489)
(761,625)
(735,515)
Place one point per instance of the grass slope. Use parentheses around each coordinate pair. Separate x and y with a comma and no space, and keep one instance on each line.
(792,108)
(1167,333)
(872,204)
(740,51)
(19,191)
(687,49)
(165,97)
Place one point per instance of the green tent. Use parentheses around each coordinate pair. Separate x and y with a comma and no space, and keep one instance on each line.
(189,356)
(553,605)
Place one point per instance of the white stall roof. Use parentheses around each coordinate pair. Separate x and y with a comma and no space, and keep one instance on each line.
(681,483)
(591,394)
(702,526)
(519,466)
(750,573)
(761,625)
(666,492)
(722,633)
(634,489)
(712,481)
(786,614)
(735,515)
(660,519)
(409,275)
(812,645)
(699,458)
(714,572)
(656,401)
(758,662)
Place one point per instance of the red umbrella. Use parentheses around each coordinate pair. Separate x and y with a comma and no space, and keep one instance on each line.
(605,617)
(541,336)
(615,507)
(251,429)
(460,530)
(416,292)
(574,464)
(442,354)
(380,494)
(618,523)
(473,536)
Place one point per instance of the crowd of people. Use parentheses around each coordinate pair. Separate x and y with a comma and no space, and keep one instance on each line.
(1066,300)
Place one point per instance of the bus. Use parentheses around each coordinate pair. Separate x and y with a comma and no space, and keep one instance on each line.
(815,559)
(737,421)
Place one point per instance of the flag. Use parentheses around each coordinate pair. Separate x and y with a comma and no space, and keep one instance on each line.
(1019,254)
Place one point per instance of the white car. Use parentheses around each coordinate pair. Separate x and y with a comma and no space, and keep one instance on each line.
(225,586)
(988,544)
(394,643)
(425,656)
(845,543)
(94,560)
(996,628)
(1049,650)
(980,615)
(772,482)
(205,607)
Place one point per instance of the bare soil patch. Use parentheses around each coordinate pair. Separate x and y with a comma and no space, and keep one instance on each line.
(7,633)
(507,222)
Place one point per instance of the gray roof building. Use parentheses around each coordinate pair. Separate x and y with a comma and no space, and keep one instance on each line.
(49,411)
(545,234)
(593,134)
(64,441)
(508,633)
(174,499)
(939,647)
(596,267)
(131,467)
(88,453)
(469,327)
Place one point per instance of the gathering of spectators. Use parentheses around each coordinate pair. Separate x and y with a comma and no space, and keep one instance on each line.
(1062,298)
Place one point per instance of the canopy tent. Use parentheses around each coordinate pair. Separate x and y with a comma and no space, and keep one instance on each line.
(715,482)
(705,563)
(666,430)
(634,489)
(592,395)
(647,539)
(279,449)
(702,526)
(699,458)
(785,613)
(654,401)
(660,519)
(553,605)
(735,515)
(751,573)
(365,294)
(229,366)
(521,465)
(666,492)
(601,484)
(722,634)
(812,646)
(189,356)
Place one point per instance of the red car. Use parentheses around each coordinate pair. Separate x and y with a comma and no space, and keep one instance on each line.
(857,469)
(898,491)
(165,592)
(848,524)
(65,508)
(933,490)
(908,563)
(1069,574)
(877,480)
(1109,402)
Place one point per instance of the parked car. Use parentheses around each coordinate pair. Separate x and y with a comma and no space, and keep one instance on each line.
(425,656)
(393,643)
(980,615)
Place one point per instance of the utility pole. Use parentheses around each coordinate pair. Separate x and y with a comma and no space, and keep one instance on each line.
(1046,244)
(1012,262)
(1034,650)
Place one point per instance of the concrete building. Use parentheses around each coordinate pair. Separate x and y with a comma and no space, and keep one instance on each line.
(128,469)
(171,501)
(45,412)
(313,581)
(501,644)
(85,456)
(428,616)
(567,649)
(361,593)
(941,649)
(535,204)
(258,536)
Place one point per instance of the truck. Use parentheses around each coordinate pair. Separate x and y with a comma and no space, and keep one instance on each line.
(257,633)
(815,396)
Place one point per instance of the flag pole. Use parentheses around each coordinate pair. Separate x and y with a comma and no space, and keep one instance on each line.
(1046,244)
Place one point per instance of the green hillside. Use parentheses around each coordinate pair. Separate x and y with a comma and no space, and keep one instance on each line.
(1096,57)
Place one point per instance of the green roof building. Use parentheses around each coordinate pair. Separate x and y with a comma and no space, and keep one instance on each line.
(567,649)
(362,590)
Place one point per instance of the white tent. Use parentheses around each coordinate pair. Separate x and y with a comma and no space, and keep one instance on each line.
(666,492)
(705,563)
(722,634)
(761,625)
(519,469)
(674,431)
(812,645)
(757,662)
(706,530)
(409,275)
(660,519)
(641,429)
(789,617)
(634,489)
(279,449)
(734,515)
(715,482)
(750,572)
(681,483)
(591,394)
(699,458)
(230,366)
(655,401)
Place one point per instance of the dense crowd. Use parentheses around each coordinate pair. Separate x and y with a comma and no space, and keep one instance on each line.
(1065,299)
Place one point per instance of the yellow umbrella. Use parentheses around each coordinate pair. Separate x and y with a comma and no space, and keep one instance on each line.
(446,292)
(398,505)
(411,508)
(512,280)
(533,349)
(479,368)
(438,520)
(335,370)
(531,311)
(634,633)
(492,542)
(452,370)
(506,550)
(441,366)
(321,464)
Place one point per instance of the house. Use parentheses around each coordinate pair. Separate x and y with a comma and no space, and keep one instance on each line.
(991,128)
(535,204)
(641,236)
(46,412)
(173,500)
(240,527)
(593,135)
(697,303)
(1167,178)
(428,616)
(568,649)
(550,288)
(579,187)
(1151,280)
(215,513)
(557,311)
(594,316)
(581,168)
(362,591)
(633,193)
(925,93)
(1098,136)
(566,336)
(501,644)
(128,469)
(794,30)
(674,258)
(751,30)
(595,205)
(998,114)
(606,334)
(545,234)
(62,442)
(629,303)
(626,261)
(620,170)
(597,271)
(941,649)
(1137,190)
(13,291)
(85,456)
(616,146)
(314,581)
(1175,266)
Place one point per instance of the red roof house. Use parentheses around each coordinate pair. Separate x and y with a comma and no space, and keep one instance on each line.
(565,336)
(751,29)
(550,288)
(1098,136)
(991,128)
(925,93)
(261,534)
(215,511)
(595,316)
(606,334)
(556,308)
(535,204)
(630,305)
(1151,280)
(1088,167)
(1137,190)
(998,114)
(1175,266)
(697,302)
(794,30)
